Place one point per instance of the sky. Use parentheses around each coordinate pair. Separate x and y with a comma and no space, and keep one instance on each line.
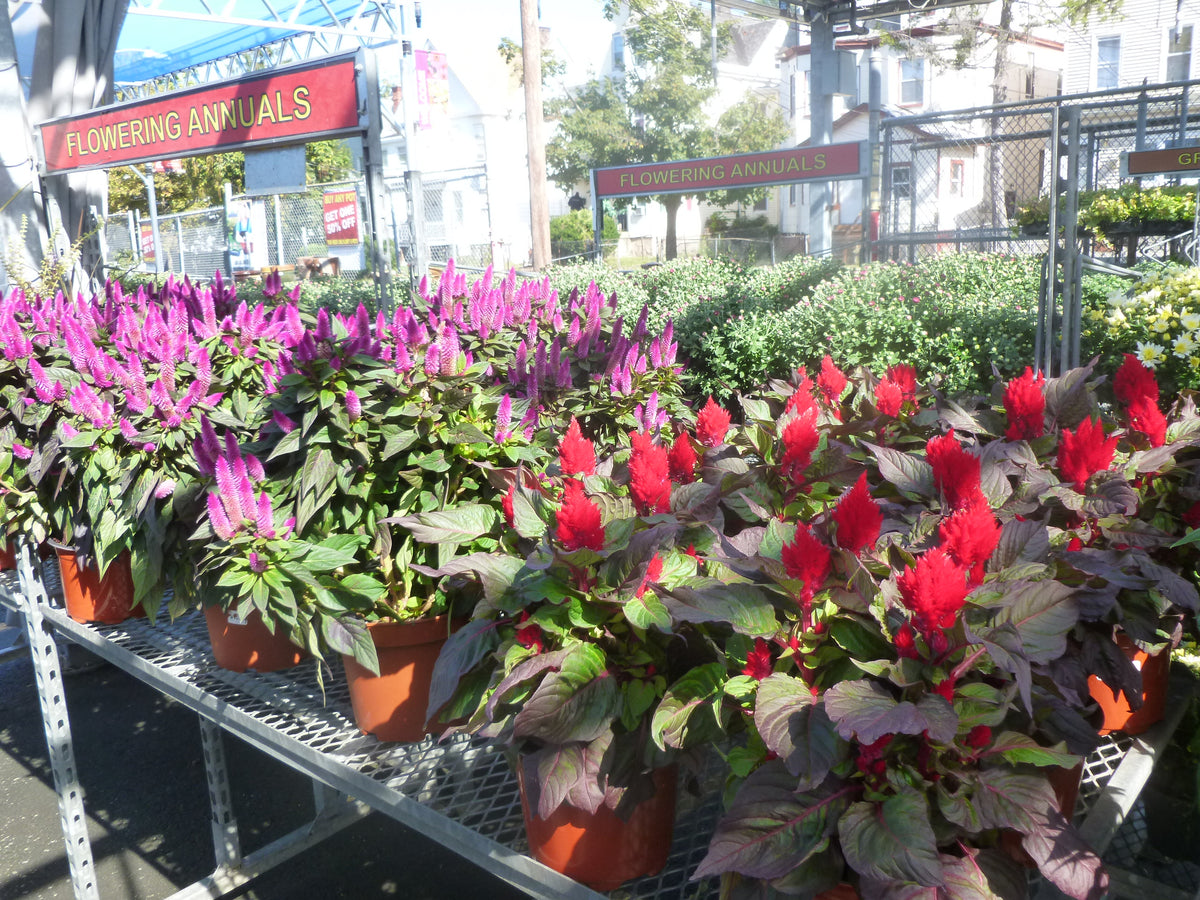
(467,30)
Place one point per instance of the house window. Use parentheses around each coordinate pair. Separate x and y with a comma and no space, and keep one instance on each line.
(618,51)
(901,181)
(791,195)
(760,205)
(1179,53)
(912,81)
(1108,62)
(957,171)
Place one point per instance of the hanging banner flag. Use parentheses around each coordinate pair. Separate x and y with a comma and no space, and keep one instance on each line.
(341,218)
(147,240)
(433,88)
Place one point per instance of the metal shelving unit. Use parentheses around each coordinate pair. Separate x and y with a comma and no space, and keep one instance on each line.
(460,792)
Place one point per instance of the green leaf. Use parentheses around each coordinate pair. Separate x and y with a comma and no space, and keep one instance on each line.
(647,611)
(334,551)
(891,841)
(397,440)
(525,516)
(686,715)
(459,655)
(465,433)
(434,461)
(349,636)
(289,443)
(459,525)
(795,726)
(744,606)
(1020,748)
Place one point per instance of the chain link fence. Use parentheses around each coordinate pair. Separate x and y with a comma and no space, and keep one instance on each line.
(961,180)
(195,242)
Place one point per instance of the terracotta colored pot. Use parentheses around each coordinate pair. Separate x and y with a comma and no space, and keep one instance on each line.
(600,849)
(8,557)
(90,598)
(1118,716)
(391,705)
(239,646)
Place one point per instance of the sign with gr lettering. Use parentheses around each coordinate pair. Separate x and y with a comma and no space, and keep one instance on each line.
(1175,161)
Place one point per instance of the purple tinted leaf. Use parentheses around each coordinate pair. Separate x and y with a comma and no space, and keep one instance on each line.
(1004,646)
(1063,858)
(892,840)
(568,773)
(770,828)
(1043,612)
(576,703)
(909,474)
(525,671)
(1021,540)
(864,709)
(1177,590)
(1068,400)
(742,606)
(459,655)
(796,728)
(1108,495)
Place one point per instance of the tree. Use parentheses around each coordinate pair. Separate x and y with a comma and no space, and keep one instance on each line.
(658,111)
(201,184)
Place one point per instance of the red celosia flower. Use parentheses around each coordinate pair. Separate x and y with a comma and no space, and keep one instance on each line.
(1026,406)
(1191,518)
(579,519)
(978,737)
(888,398)
(871,759)
(935,589)
(1084,452)
(801,402)
(1135,380)
(945,689)
(906,641)
(1145,416)
(530,636)
(970,535)
(831,381)
(758,660)
(858,518)
(800,439)
(576,455)
(682,460)
(506,503)
(653,573)
(711,424)
(806,559)
(649,475)
(904,377)
(955,471)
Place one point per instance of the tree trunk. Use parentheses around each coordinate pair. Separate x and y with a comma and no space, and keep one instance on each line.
(672,203)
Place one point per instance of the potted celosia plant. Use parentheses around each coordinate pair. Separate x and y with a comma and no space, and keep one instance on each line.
(593,651)
(896,743)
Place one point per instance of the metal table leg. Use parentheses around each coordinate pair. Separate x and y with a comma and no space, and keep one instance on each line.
(52,699)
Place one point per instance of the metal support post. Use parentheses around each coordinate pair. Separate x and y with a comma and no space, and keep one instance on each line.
(179,236)
(280,259)
(1047,321)
(226,844)
(871,184)
(373,165)
(1072,274)
(52,699)
(822,66)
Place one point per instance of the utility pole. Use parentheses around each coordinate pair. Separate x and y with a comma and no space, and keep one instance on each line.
(531,62)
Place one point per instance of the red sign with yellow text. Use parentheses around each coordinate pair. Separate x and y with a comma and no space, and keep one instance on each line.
(310,101)
(745,170)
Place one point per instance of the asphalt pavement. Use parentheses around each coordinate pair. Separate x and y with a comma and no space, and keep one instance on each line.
(142,772)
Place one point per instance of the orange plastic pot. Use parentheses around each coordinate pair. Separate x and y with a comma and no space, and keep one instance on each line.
(91,598)
(392,704)
(239,645)
(600,849)
(1118,715)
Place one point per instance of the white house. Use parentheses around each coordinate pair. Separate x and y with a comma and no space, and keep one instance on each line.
(1150,42)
